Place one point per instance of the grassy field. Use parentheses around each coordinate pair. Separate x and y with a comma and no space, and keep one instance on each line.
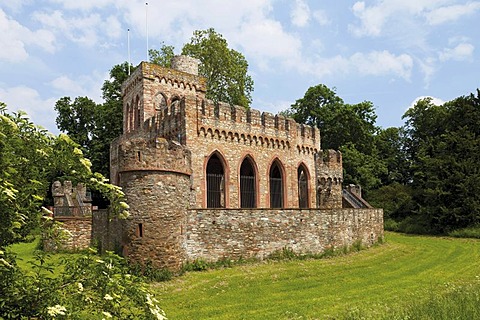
(369,284)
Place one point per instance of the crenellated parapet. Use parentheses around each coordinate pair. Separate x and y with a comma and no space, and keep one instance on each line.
(145,152)
(222,121)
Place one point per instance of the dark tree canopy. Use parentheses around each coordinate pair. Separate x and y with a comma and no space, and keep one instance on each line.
(443,146)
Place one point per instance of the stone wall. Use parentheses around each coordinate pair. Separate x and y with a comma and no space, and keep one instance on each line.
(77,234)
(215,234)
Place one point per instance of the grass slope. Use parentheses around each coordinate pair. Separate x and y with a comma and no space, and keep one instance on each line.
(403,271)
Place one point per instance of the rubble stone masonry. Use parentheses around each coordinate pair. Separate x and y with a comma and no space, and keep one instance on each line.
(173,136)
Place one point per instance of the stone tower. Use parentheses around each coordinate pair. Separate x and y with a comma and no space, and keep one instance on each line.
(155,175)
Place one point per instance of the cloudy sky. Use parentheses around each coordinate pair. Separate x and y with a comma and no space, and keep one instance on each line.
(389,52)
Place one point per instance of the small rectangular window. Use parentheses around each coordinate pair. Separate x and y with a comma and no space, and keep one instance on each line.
(140,230)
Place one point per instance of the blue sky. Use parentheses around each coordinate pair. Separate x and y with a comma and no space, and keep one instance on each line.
(390,52)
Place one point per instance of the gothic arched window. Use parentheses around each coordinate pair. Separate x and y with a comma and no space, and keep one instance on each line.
(215,174)
(276,185)
(302,187)
(248,192)
(160,104)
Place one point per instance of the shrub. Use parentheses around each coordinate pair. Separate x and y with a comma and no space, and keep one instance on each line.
(89,287)
(471,232)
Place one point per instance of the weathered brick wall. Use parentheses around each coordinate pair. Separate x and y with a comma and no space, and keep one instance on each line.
(155,229)
(78,234)
(213,234)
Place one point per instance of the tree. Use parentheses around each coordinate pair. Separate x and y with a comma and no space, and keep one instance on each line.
(443,146)
(225,69)
(346,127)
(339,123)
(77,118)
(94,126)
(162,57)
(31,158)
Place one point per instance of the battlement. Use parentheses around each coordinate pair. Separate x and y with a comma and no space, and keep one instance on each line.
(144,152)
(175,77)
(264,126)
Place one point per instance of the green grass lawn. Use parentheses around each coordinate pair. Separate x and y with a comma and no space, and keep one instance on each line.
(404,270)
(25,252)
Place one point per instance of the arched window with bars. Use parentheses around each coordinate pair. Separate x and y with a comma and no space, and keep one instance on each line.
(276,185)
(215,174)
(248,192)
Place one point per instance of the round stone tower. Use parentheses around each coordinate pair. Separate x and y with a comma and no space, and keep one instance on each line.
(155,176)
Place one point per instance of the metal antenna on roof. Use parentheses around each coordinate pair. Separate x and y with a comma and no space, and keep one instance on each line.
(146,24)
(128,48)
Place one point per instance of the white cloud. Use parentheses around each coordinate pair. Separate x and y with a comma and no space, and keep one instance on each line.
(451,13)
(383,63)
(434,100)
(39,110)
(375,18)
(463,51)
(267,40)
(300,14)
(83,4)
(15,38)
(89,86)
(321,17)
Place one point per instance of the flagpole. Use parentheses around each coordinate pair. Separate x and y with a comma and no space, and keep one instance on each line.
(128,48)
(146,24)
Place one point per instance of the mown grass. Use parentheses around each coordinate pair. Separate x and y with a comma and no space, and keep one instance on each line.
(394,280)
(25,252)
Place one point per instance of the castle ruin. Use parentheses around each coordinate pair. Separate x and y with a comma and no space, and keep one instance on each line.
(208,180)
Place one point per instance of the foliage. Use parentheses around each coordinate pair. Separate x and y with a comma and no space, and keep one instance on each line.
(30,159)
(375,281)
(443,146)
(347,127)
(162,57)
(93,125)
(225,69)
(394,198)
(90,287)
(470,232)
(322,108)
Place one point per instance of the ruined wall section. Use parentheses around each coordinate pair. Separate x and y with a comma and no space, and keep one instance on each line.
(329,179)
(155,176)
(236,132)
(237,233)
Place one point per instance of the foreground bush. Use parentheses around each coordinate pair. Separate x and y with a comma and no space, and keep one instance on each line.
(84,287)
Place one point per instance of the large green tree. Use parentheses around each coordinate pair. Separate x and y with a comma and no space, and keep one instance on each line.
(226,69)
(443,145)
(347,127)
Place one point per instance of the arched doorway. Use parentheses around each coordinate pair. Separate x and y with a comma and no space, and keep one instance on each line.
(248,192)
(302,187)
(215,174)
(276,185)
